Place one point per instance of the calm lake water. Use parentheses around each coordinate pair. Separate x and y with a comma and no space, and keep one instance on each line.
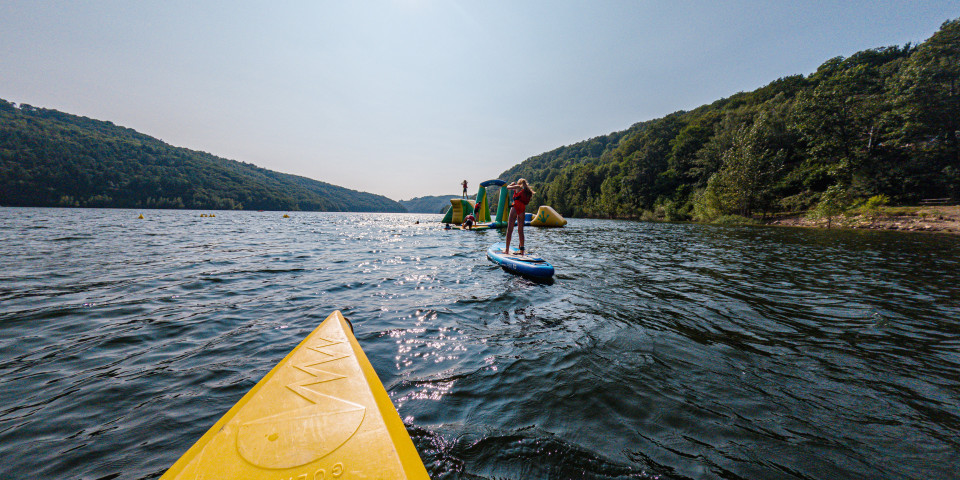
(661,351)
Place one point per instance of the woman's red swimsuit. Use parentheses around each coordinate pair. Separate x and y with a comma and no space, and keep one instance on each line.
(520,199)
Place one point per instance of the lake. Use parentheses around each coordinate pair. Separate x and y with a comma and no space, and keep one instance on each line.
(660,351)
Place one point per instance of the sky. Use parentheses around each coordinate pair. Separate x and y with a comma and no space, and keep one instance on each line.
(407,98)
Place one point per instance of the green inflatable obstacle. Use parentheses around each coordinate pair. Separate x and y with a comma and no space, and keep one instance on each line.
(503,205)
(480,208)
(459,209)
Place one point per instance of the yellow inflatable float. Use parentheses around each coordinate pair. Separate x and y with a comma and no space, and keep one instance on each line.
(547,217)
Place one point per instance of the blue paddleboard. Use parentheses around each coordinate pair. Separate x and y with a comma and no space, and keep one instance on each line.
(525,265)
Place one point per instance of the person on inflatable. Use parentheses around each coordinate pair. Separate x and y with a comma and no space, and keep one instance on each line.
(521,197)
(468,222)
(464,189)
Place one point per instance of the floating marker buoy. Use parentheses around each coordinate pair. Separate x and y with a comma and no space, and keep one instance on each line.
(286,216)
(212,215)
(203,215)
(140,217)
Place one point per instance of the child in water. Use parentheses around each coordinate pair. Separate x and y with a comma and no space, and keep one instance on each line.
(521,196)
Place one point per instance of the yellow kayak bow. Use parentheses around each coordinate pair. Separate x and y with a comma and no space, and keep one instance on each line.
(321,413)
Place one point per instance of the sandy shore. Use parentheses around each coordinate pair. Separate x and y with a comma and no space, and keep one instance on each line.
(944,219)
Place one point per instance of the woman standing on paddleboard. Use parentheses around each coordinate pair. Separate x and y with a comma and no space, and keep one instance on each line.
(521,196)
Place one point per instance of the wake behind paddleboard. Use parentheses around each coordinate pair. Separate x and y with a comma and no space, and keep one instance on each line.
(320,413)
(526,265)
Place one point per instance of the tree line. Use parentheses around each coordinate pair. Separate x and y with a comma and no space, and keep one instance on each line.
(882,124)
(53,159)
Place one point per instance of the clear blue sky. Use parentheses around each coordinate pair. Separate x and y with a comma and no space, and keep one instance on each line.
(406,98)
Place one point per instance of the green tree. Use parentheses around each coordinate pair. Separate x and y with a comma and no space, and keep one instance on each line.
(839,118)
(742,186)
(834,201)
(929,89)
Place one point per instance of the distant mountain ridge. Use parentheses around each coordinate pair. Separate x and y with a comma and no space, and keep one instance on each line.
(428,204)
(53,159)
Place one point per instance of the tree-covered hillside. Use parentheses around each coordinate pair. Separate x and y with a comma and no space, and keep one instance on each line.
(429,204)
(883,123)
(49,158)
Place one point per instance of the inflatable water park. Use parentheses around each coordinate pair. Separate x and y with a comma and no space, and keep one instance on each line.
(460,208)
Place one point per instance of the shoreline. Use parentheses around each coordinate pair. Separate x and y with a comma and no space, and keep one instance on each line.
(936,218)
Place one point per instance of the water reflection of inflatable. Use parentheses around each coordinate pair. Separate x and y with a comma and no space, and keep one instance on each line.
(461,207)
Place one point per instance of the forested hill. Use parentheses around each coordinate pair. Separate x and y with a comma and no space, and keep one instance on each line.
(882,124)
(429,204)
(53,159)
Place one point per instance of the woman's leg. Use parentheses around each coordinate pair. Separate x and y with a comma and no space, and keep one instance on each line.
(510,219)
(520,220)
